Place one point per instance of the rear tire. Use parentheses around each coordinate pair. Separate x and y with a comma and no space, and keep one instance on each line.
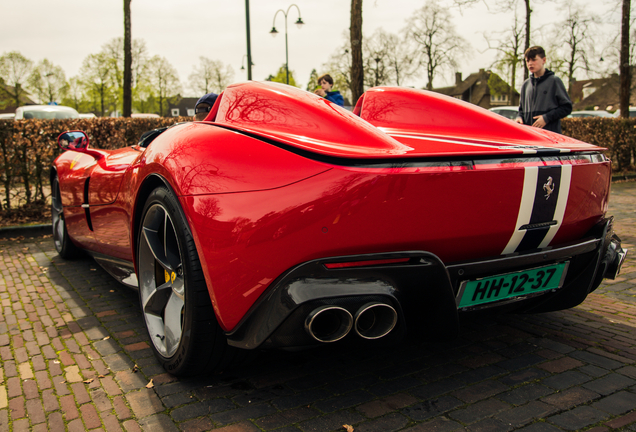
(63,244)
(175,301)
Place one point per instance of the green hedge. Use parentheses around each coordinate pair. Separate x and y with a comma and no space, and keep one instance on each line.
(27,147)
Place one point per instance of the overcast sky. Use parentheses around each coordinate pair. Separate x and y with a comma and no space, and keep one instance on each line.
(66,31)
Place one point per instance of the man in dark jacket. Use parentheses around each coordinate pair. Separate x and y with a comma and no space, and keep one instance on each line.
(544,100)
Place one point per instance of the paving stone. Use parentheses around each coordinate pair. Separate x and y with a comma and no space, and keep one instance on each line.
(344,401)
(480,391)
(489,425)
(609,384)
(249,412)
(525,414)
(566,379)
(524,394)
(381,407)
(480,410)
(596,359)
(440,424)
(159,422)
(388,423)
(431,408)
(570,398)
(303,399)
(199,409)
(618,403)
(330,422)
(285,418)
(578,418)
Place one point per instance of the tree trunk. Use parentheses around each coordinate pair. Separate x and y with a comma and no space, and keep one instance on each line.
(624,65)
(526,44)
(127,61)
(357,69)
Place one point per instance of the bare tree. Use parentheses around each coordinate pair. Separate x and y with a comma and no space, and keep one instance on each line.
(439,45)
(357,65)
(509,53)
(506,6)
(127,110)
(339,67)
(48,82)
(376,65)
(210,76)
(624,68)
(164,80)
(574,42)
(14,72)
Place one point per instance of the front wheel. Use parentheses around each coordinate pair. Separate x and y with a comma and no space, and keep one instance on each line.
(180,320)
(63,244)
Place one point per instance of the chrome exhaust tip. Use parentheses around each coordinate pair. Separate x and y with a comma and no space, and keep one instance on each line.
(617,254)
(375,320)
(328,323)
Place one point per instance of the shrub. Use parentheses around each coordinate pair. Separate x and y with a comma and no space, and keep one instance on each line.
(28,147)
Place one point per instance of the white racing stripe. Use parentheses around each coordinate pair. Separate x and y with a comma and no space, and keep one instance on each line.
(562,201)
(530,176)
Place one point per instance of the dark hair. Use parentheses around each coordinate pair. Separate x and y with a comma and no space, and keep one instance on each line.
(325,77)
(534,51)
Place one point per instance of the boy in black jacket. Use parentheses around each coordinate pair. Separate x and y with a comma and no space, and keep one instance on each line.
(544,100)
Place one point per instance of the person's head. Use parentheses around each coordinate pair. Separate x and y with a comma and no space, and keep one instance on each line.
(325,81)
(535,60)
(204,105)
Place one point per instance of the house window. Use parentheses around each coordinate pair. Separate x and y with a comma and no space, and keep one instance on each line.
(499,98)
(190,112)
(175,112)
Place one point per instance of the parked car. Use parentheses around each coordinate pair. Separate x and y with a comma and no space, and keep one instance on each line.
(7,116)
(144,115)
(510,112)
(632,112)
(283,220)
(45,112)
(87,115)
(590,113)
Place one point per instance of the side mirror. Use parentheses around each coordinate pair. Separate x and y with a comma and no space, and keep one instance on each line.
(72,140)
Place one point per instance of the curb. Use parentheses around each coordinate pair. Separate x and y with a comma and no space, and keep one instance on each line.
(25,231)
(619,177)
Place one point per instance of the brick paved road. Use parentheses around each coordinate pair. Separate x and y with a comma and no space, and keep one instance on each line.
(70,338)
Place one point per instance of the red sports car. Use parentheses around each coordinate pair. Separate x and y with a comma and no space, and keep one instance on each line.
(283,220)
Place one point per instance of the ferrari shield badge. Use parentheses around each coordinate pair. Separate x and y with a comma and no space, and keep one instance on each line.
(548,187)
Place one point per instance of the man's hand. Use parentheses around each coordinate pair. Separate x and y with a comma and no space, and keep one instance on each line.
(519,120)
(320,92)
(540,122)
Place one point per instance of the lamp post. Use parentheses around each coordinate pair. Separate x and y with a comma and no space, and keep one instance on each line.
(249,67)
(274,32)
(249,47)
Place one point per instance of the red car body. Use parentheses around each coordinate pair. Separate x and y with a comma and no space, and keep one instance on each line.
(294,203)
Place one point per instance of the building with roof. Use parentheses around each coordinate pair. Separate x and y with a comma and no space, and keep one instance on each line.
(484,88)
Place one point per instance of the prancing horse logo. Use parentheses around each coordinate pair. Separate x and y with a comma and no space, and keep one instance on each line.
(549,188)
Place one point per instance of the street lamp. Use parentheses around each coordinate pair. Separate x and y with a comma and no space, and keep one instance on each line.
(243,64)
(274,32)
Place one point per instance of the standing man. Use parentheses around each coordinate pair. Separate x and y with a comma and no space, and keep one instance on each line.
(326,83)
(544,100)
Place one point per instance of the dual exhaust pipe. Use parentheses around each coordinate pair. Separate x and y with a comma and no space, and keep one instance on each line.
(331,323)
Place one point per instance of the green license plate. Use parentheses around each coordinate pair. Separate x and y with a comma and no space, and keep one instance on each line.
(510,285)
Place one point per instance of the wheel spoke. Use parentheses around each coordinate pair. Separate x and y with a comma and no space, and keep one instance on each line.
(156,248)
(157,299)
(172,322)
(171,247)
